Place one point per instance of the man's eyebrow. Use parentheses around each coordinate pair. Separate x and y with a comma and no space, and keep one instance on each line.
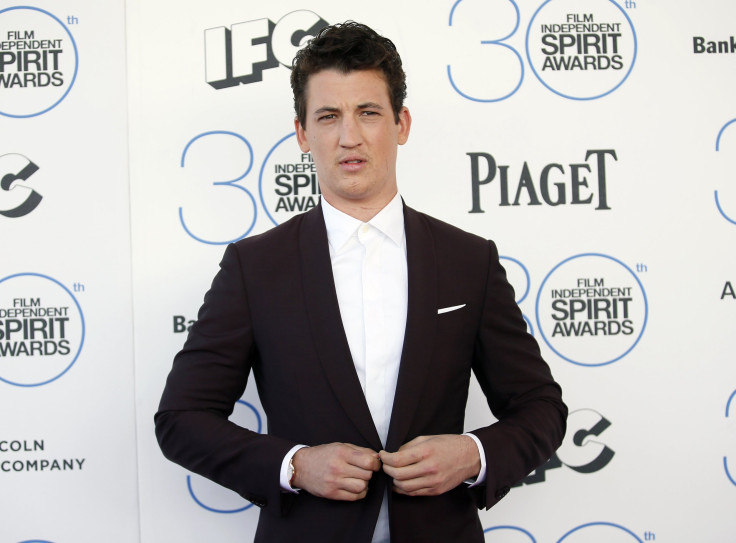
(333,109)
(370,105)
(326,109)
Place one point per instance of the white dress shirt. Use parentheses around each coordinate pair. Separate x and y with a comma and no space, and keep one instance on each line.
(370,272)
(369,268)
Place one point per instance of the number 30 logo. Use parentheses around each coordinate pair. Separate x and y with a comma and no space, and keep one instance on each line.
(579,56)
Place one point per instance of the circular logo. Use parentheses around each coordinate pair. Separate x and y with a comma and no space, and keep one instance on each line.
(288,181)
(591,309)
(581,49)
(41,329)
(729,215)
(731,476)
(600,531)
(38,61)
(510,534)
(210,495)
(518,276)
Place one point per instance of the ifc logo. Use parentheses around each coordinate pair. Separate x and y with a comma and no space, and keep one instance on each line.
(580,49)
(17,199)
(41,329)
(591,309)
(38,61)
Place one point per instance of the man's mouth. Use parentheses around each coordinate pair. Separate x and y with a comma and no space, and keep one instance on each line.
(352,164)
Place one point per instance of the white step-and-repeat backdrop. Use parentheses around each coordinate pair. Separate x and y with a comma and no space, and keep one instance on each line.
(593,140)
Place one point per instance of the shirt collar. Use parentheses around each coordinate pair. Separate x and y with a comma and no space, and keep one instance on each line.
(341,226)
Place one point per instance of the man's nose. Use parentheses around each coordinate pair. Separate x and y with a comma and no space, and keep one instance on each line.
(350,135)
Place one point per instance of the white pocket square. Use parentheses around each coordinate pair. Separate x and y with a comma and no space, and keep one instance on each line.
(448,309)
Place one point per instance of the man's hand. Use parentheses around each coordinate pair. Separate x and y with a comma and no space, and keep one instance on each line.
(337,471)
(432,465)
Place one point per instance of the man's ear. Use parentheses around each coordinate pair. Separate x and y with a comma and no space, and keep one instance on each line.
(301,136)
(404,125)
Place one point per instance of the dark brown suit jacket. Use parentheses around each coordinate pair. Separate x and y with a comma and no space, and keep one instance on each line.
(272,309)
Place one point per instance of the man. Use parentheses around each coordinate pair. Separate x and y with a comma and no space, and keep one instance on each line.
(361,320)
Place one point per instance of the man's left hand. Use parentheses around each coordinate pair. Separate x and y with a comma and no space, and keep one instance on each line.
(432,465)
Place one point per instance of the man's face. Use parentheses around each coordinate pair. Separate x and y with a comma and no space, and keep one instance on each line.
(353,136)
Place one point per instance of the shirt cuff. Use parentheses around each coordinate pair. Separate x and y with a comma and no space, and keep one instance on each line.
(283,476)
(481,478)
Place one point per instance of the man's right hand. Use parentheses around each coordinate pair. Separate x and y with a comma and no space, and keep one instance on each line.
(337,471)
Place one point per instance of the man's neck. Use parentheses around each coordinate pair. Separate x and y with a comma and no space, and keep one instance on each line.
(362,212)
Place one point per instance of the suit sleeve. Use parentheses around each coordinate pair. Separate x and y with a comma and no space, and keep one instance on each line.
(519,388)
(208,377)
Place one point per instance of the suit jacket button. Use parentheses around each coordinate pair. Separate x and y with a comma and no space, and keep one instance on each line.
(501,492)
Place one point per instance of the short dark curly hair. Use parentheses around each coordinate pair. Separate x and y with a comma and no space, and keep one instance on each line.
(347,47)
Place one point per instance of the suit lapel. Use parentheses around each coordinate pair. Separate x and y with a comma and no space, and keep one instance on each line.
(326,325)
(420,326)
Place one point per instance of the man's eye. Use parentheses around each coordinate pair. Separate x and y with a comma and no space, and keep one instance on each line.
(327,117)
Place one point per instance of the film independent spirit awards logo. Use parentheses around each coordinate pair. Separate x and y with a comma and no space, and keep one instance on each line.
(38,61)
(581,49)
(591,309)
(41,329)
(287,182)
